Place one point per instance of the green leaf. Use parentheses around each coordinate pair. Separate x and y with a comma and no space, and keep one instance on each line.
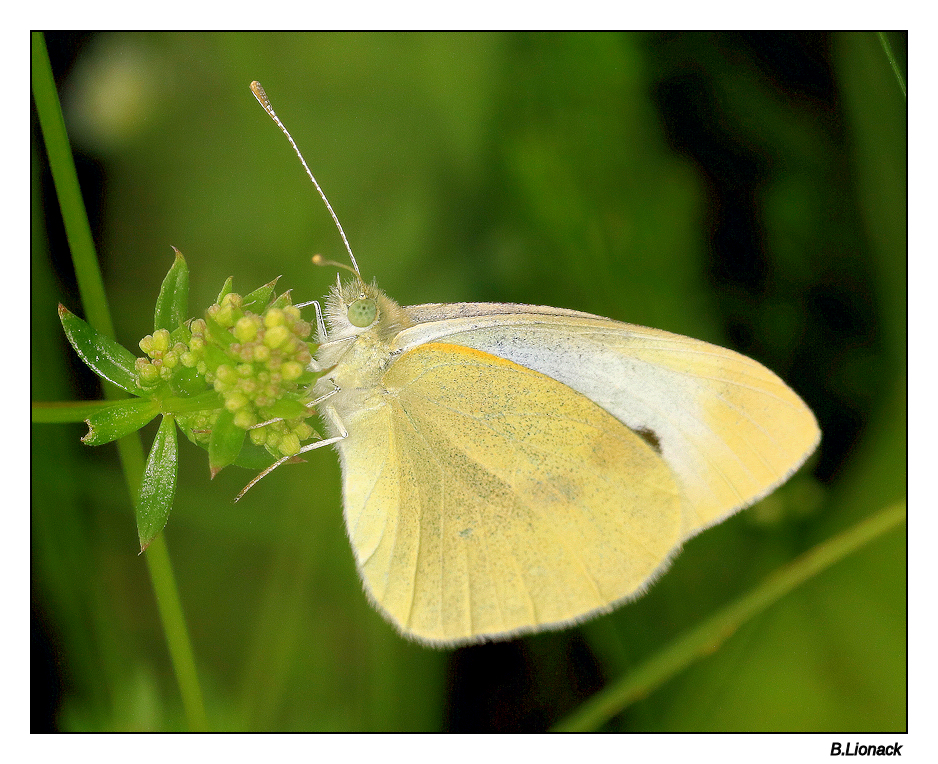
(288,408)
(214,356)
(103,355)
(172,304)
(119,419)
(254,457)
(226,289)
(283,300)
(188,382)
(226,441)
(159,483)
(258,299)
(307,378)
(218,333)
(180,334)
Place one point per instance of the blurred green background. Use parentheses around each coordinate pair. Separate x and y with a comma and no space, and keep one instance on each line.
(745,189)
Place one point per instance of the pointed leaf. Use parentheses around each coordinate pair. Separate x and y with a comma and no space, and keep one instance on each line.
(218,333)
(226,289)
(180,334)
(159,483)
(288,408)
(188,382)
(172,304)
(119,419)
(215,357)
(258,299)
(283,300)
(226,441)
(106,358)
(254,457)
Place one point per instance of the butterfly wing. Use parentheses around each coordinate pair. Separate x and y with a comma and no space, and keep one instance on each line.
(729,429)
(483,498)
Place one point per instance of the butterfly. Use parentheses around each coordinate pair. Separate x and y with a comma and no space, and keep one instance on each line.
(511,468)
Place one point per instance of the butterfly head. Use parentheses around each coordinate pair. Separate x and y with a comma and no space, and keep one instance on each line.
(355,308)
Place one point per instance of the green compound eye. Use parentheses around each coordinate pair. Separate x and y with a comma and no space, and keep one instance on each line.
(362,313)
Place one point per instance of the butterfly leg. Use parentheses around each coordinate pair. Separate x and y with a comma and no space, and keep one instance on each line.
(311,406)
(343,434)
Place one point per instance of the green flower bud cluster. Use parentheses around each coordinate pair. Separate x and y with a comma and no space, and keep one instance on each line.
(265,361)
(164,356)
(256,362)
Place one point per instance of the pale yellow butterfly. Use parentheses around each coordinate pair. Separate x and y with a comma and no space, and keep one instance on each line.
(509,468)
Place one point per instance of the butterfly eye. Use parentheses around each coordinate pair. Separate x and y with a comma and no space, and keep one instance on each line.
(362,312)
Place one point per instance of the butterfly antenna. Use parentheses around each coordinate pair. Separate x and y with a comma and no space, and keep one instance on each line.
(264,101)
(320,260)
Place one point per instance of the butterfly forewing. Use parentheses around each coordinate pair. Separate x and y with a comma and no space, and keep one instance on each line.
(729,429)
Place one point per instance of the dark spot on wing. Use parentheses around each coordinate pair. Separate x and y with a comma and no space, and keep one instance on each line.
(651,438)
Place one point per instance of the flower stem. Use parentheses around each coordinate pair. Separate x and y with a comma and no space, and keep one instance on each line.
(94,300)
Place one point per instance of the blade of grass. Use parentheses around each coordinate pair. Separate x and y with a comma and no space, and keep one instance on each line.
(893,62)
(91,286)
(77,229)
(706,637)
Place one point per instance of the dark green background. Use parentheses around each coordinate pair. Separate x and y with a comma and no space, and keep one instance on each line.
(746,189)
